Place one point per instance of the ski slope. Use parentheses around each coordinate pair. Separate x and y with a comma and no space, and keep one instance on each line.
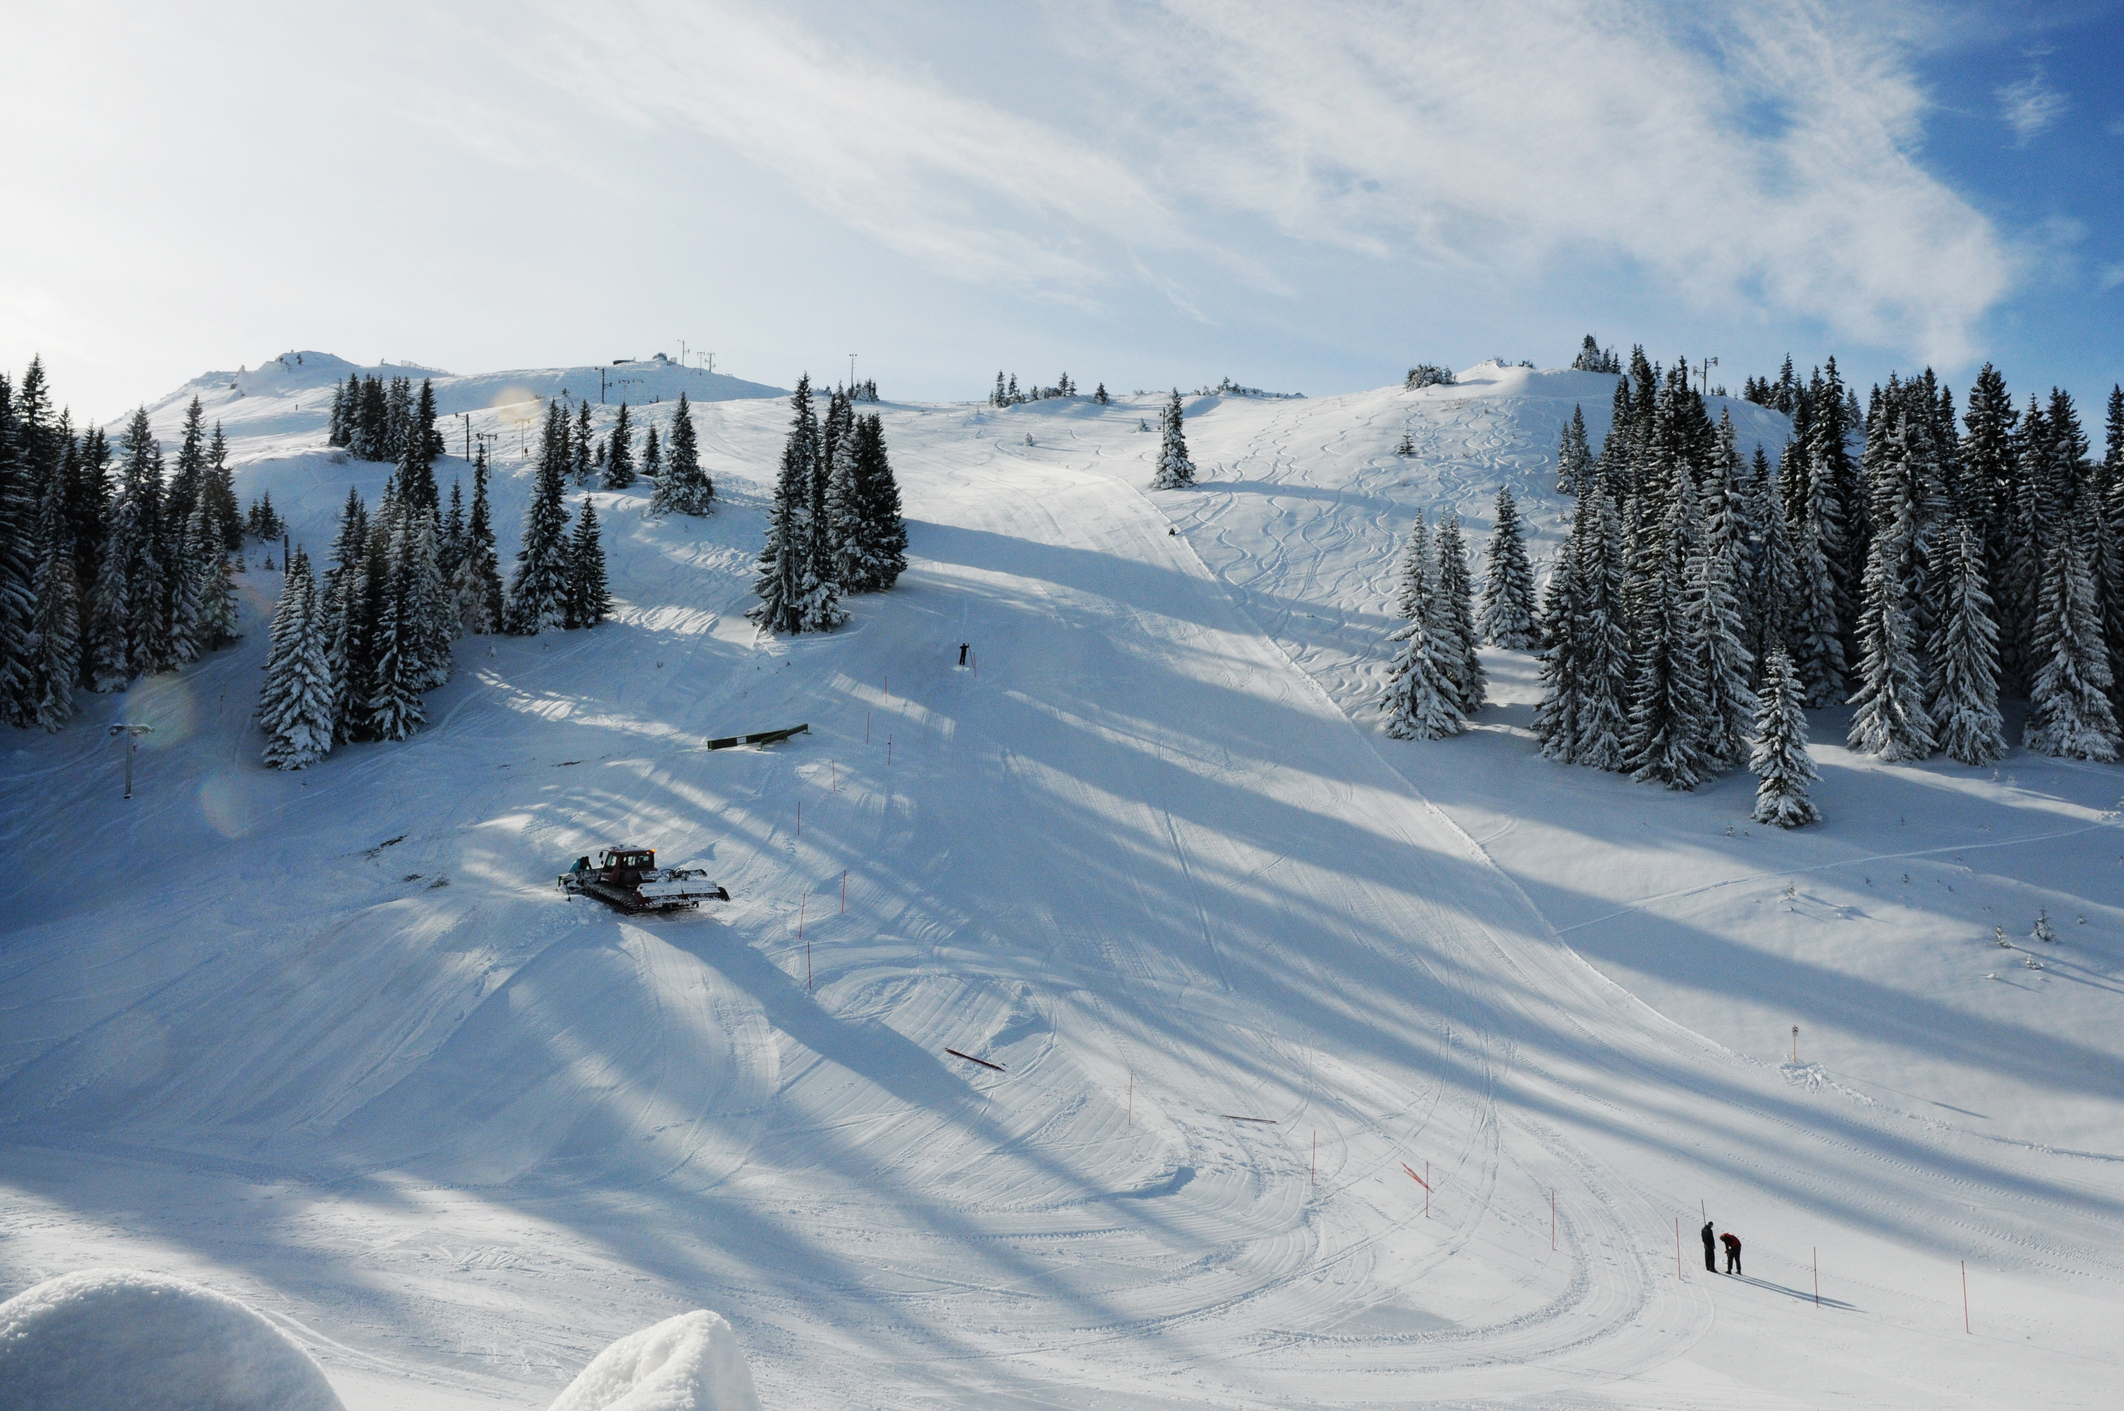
(333,1043)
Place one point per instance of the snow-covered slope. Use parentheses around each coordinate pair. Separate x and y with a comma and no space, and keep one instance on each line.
(285,402)
(333,1042)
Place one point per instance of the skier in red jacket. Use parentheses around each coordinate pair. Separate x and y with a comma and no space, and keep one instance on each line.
(1732,1243)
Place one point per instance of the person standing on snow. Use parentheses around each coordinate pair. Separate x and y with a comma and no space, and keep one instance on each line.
(1710,1244)
(1732,1243)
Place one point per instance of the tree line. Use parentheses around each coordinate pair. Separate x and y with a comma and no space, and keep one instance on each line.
(111,567)
(1901,560)
(835,526)
(353,649)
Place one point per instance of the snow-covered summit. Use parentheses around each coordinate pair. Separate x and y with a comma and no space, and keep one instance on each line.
(286,401)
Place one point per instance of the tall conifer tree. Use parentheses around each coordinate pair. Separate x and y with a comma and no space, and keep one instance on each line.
(1508,590)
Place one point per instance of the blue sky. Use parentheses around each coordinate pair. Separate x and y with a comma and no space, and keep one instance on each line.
(1300,196)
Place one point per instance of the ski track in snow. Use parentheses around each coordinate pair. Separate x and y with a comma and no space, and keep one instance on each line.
(332,1041)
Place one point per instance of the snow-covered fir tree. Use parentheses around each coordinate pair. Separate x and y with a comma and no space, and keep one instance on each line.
(213,592)
(582,444)
(54,648)
(137,543)
(1964,702)
(1713,600)
(1891,720)
(1669,708)
(2069,712)
(1454,598)
(682,487)
(1563,689)
(652,454)
(394,706)
(1780,762)
(779,579)
(884,528)
(537,592)
(295,708)
(589,600)
(1508,589)
(477,584)
(1419,569)
(619,452)
(1419,701)
(1574,457)
(1175,470)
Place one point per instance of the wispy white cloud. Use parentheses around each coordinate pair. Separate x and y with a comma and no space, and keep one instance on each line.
(1755,155)
(2111,276)
(2030,106)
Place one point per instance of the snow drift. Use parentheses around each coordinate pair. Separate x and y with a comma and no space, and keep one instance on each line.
(106,1338)
(688,1363)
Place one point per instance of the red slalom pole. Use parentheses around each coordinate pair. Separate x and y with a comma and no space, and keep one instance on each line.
(1965,1295)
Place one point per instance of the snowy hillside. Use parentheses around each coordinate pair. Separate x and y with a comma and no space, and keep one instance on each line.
(285,402)
(333,1043)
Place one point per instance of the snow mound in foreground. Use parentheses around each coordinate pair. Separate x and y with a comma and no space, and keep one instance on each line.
(120,1337)
(688,1363)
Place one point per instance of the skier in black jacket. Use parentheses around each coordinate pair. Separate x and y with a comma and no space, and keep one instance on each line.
(1710,1249)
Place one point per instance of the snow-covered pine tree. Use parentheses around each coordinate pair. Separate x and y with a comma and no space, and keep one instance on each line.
(2069,713)
(885,530)
(1714,597)
(1780,760)
(395,709)
(1574,458)
(368,618)
(1563,686)
(424,421)
(1669,708)
(477,583)
(182,565)
(683,488)
(1418,570)
(147,591)
(1454,595)
(589,599)
(581,445)
(619,453)
(1100,396)
(1965,658)
(850,532)
(416,455)
(1839,493)
(220,494)
(1816,638)
(188,475)
(434,605)
(537,592)
(336,425)
(295,708)
(397,418)
(1175,471)
(340,602)
(1419,699)
(652,454)
(1771,586)
(213,592)
(779,581)
(1508,590)
(1606,665)
(55,622)
(450,539)
(1891,720)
